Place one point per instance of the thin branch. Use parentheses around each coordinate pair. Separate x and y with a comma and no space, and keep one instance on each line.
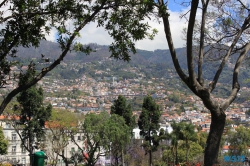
(2,3)
(244,6)
(235,83)
(32,14)
(217,75)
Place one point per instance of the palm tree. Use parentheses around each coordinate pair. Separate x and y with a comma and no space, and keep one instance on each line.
(188,134)
(182,131)
(174,137)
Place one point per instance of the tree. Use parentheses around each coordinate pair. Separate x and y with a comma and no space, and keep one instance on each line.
(195,151)
(61,128)
(3,143)
(26,23)
(185,132)
(96,141)
(119,136)
(121,108)
(221,31)
(149,125)
(239,141)
(33,113)
(188,134)
(104,135)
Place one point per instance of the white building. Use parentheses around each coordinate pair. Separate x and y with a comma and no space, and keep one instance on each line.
(16,153)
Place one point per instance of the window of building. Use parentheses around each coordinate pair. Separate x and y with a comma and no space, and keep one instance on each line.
(13,137)
(13,149)
(23,149)
(72,149)
(79,138)
(23,160)
(7,126)
(13,159)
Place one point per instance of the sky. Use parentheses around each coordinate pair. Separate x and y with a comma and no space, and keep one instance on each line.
(93,34)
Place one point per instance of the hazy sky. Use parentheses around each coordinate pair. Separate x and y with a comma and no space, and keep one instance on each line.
(93,34)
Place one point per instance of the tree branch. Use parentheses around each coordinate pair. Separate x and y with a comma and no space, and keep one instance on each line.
(201,50)
(171,45)
(217,75)
(2,3)
(235,83)
(192,77)
(53,65)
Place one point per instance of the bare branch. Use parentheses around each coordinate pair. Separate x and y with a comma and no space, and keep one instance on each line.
(217,75)
(171,45)
(3,3)
(201,49)
(243,5)
(235,83)
(192,77)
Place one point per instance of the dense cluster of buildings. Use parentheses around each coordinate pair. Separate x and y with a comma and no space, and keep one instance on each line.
(99,95)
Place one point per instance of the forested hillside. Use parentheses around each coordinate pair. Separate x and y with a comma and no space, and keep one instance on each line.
(153,64)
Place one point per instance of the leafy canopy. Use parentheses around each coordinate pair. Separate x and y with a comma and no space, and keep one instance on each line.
(29,21)
(33,113)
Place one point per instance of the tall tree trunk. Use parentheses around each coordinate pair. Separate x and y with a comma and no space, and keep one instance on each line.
(150,157)
(213,140)
(187,151)
(176,155)
(31,150)
(123,158)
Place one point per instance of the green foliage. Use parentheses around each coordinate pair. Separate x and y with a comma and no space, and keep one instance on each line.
(202,138)
(28,22)
(239,141)
(3,143)
(195,151)
(121,108)
(149,124)
(185,132)
(108,133)
(63,119)
(175,98)
(33,114)
(62,126)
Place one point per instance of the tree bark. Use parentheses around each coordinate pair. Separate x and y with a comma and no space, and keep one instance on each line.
(176,155)
(213,140)
(150,157)
(188,149)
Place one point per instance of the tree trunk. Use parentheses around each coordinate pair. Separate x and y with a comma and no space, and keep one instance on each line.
(176,155)
(213,140)
(188,149)
(123,158)
(31,150)
(150,157)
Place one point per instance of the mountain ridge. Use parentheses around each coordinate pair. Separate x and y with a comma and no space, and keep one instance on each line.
(159,57)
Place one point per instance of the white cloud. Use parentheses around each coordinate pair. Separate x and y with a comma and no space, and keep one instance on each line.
(93,34)
(52,35)
(160,41)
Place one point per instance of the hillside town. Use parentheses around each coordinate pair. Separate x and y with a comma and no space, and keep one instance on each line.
(89,95)
(86,94)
